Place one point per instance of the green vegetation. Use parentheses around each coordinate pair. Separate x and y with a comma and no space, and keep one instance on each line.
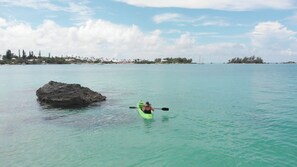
(289,62)
(246,60)
(31,58)
(11,58)
(164,61)
(176,61)
(138,61)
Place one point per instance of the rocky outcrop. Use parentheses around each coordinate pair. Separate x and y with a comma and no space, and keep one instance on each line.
(64,95)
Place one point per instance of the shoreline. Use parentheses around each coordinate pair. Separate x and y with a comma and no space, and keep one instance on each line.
(155,64)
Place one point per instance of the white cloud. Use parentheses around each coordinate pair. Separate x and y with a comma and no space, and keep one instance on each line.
(99,38)
(292,19)
(288,52)
(185,41)
(3,22)
(93,38)
(36,4)
(221,23)
(233,5)
(166,17)
(273,35)
(83,11)
(80,10)
(182,20)
(272,39)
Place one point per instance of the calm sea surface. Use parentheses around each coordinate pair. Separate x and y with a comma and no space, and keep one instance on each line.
(220,115)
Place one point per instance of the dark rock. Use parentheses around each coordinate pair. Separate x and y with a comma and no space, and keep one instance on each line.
(64,95)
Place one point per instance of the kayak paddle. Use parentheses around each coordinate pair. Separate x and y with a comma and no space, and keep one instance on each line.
(164,108)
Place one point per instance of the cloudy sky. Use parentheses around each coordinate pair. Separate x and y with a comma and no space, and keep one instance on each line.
(209,31)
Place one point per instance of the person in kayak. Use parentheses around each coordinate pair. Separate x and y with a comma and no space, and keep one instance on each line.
(147,108)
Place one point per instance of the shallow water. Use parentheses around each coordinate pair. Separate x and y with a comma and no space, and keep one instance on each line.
(220,115)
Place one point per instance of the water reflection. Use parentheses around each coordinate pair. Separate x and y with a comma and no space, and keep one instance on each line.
(148,123)
(56,113)
(86,118)
(165,118)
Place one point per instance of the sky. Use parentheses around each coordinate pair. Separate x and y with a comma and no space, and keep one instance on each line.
(206,31)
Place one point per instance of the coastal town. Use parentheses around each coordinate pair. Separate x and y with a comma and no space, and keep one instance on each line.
(31,58)
(23,58)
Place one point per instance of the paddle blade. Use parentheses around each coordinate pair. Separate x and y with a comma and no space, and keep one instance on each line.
(165,109)
(132,107)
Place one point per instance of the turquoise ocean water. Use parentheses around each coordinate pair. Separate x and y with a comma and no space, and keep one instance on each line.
(220,115)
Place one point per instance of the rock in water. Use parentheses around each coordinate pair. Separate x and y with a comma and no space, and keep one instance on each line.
(64,95)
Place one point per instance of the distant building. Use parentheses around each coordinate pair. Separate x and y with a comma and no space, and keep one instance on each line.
(164,60)
(70,59)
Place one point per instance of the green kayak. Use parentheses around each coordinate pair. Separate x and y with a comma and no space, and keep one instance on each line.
(141,113)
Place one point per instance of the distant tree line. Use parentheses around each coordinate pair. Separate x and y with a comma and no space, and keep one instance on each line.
(246,60)
(171,60)
(31,58)
(139,61)
(289,62)
(164,61)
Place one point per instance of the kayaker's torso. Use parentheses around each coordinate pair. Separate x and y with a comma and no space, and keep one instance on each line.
(147,109)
